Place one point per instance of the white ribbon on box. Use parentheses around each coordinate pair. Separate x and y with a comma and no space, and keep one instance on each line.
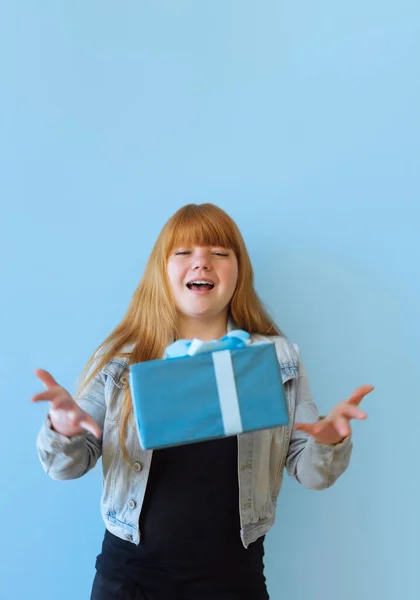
(228,394)
(223,370)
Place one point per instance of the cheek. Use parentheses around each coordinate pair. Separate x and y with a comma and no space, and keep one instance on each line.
(234,281)
(173,274)
(230,277)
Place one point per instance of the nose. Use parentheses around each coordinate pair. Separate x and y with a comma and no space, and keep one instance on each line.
(201,260)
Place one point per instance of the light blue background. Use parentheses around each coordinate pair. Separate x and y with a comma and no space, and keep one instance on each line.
(301,119)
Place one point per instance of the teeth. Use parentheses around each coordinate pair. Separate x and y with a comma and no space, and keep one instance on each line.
(201,281)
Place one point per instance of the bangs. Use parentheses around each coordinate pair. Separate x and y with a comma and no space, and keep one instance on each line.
(201,225)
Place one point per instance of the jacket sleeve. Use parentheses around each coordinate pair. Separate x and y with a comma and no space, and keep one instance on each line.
(316,466)
(70,458)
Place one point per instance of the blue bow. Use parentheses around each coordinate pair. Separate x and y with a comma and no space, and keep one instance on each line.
(234,339)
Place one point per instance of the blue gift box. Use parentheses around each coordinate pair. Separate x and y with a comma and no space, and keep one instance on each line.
(206,396)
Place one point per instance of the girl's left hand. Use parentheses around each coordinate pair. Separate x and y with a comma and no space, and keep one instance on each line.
(334,428)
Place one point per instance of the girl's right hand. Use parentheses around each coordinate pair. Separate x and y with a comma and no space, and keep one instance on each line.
(65,414)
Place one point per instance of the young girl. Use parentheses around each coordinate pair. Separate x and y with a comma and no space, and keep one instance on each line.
(189,521)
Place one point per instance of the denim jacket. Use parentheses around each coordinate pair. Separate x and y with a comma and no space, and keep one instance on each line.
(262,455)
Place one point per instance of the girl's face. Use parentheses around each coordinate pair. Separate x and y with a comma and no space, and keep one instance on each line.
(203,279)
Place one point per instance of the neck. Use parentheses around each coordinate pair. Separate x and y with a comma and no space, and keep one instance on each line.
(205,329)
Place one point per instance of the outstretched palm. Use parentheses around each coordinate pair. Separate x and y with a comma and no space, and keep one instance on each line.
(336,426)
(66,415)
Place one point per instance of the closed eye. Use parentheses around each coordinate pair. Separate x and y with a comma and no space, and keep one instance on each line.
(185,252)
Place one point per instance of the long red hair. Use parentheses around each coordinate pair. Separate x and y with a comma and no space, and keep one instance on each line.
(150,322)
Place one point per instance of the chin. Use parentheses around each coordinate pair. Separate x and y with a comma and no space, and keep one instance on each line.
(200,313)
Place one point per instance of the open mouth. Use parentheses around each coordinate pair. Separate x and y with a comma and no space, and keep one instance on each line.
(200,286)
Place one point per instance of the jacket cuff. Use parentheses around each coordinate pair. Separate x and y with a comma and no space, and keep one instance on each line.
(57,440)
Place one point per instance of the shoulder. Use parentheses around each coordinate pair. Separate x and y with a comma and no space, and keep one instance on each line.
(287,351)
(117,365)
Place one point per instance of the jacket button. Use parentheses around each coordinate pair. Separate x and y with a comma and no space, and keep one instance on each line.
(131,504)
(137,467)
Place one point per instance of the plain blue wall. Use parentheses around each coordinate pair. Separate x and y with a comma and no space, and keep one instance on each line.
(302,121)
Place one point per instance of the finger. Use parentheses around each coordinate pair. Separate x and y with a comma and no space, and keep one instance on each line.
(49,395)
(359,393)
(352,412)
(309,428)
(90,425)
(341,425)
(46,378)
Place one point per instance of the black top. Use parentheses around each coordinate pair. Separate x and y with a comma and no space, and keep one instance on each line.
(190,527)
